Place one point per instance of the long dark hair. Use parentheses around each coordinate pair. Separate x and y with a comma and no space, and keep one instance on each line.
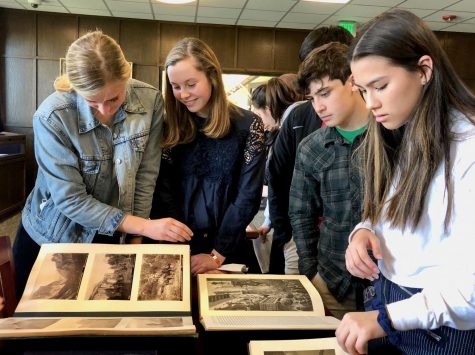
(411,154)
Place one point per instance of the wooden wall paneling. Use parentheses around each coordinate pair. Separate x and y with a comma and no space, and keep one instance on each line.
(55,33)
(30,160)
(148,74)
(19,95)
(442,37)
(286,49)
(17,30)
(255,48)
(109,26)
(3,88)
(139,41)
(171,33)
(459,48)
(48,71)
(221,40)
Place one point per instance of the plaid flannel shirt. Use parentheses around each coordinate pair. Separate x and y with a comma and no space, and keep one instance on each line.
(327,184)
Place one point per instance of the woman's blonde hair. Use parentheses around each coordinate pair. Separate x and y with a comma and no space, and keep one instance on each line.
(179,126)
(92,61)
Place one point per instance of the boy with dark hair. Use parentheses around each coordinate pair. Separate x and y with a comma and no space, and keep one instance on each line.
(326,182)
(301,121)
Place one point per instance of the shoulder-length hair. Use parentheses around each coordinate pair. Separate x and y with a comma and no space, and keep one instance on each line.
(279,96)
(179,124)
(411,154)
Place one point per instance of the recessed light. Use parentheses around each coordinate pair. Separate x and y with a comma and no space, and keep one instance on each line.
(330,1)
(176,1)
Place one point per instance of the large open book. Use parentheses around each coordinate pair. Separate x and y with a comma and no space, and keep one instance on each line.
(105,289)
(253,302)
(323,346)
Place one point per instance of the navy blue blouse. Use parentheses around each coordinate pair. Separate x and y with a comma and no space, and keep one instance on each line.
(214,185)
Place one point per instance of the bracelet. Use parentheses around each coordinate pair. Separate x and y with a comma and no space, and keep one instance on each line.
(215,259)
(383,320)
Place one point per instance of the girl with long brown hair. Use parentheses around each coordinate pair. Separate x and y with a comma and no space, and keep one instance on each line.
(420,178)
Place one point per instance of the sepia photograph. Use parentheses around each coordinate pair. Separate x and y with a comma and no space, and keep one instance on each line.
(60,276)
(26,323)
(108,281)
(155,322)
(96,322)
(161,277)
(258,295)
(318,346)
(112,278)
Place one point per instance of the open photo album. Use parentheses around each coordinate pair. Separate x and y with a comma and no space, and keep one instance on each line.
(323,346)
(105,289)
(258,302)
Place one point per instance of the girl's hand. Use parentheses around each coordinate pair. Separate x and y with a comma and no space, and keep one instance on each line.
(358,261)
(202,263)
(168,229)
(356,329)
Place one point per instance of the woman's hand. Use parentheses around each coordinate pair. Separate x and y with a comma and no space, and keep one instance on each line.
(166,229)
(202,263)
(356,329)
(358,261)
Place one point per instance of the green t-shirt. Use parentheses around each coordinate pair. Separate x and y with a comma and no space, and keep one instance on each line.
(351,135)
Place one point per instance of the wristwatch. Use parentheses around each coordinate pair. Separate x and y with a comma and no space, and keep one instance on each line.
(215,259)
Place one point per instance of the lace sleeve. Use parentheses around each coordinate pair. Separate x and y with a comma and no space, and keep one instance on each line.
(255,140)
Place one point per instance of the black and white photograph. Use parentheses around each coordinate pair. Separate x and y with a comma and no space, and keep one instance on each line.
(26,323)
(302,352)
(257,295)
(155,322)
(161,278)
(112,277)
(60,276)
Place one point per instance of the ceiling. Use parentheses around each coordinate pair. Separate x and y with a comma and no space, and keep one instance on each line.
(297,14)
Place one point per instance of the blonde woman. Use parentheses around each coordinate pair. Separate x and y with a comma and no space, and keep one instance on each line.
(213,163)
(98,155)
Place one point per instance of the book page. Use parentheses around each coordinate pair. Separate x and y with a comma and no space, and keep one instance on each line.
(51,326)
(108,279)
(323,346)
(276,295)
(254,302)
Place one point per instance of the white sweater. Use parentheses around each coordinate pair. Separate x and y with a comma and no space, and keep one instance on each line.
(442,264)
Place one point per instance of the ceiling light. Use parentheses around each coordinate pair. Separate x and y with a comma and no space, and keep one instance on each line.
(331,1)
(176,1)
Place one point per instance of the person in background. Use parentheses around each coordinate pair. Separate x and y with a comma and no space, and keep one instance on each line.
(290,80)
(301,121)
(213,160)
(272,102)
(419,193)
(96,144)
(327,184)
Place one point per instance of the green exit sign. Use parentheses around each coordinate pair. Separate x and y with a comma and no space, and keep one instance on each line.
(350,26)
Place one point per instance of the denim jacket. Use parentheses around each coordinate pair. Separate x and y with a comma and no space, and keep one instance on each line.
(75,155)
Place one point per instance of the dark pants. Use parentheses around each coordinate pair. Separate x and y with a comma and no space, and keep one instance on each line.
(25,251)
(440,341)
(202,243)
